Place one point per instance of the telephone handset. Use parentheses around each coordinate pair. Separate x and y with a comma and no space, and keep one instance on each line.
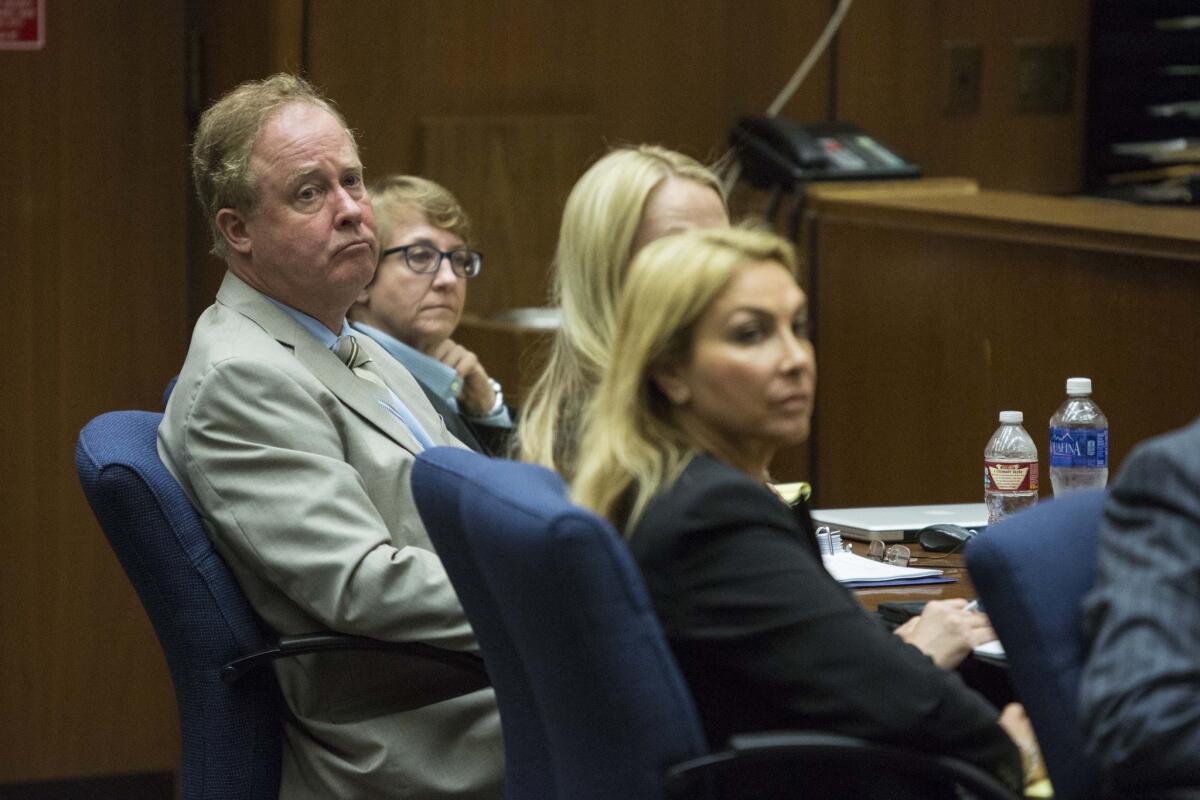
(779,153)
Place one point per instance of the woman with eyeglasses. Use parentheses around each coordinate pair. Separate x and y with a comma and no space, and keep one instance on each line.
(711,371)
(415,302)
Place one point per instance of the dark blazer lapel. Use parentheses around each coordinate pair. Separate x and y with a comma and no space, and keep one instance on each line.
(360,395)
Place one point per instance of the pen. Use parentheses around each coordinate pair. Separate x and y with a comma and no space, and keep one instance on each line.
(971,606)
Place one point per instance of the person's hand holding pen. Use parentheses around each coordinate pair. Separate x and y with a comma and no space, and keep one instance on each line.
(947,630)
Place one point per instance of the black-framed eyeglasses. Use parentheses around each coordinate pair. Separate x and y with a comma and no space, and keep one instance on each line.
(424,259)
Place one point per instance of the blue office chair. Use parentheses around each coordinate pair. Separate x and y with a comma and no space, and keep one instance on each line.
(528,769)
(214,643)
(1032,571)
(591,700)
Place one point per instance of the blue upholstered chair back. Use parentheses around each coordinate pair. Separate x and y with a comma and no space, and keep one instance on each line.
(583,674)
(1032,571)
(447,508)
(231,736)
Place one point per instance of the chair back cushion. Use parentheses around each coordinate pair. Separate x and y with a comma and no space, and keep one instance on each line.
(231,736)
(1032,571)
(447,509)
(614,708)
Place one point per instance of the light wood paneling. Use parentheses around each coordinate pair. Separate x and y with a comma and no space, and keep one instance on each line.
(93,286)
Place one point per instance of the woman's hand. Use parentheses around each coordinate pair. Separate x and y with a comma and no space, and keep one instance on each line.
(1016,724)
(946,631)
(477,396)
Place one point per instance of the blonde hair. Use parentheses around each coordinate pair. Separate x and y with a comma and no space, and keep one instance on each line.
(595,244)
(631,445)
(225,138)
(391,194)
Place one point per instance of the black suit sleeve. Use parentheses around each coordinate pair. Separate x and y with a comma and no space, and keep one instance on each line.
(487,439)
(494,440)
(767,639)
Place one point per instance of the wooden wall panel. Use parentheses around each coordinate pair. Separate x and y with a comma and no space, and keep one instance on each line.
(93,286)
(513,173)
(230,41)
(925,334)
(388,64)
(392,65)
(660,74)
(891,81)
(680,73)
(767,41)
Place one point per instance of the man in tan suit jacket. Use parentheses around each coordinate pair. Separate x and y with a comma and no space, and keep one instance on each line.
(300,467)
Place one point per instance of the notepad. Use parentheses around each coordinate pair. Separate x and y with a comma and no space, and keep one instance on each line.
(791,492)
(993,650)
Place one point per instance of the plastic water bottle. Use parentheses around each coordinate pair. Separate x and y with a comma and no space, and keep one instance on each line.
(1078,441)
(1010,468)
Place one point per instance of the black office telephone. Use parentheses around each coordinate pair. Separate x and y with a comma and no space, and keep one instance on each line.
(778,153)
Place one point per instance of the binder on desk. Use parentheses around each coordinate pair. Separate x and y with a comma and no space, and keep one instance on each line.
(855,572)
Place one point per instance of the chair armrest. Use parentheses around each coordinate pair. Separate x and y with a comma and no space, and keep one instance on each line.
(832,751)
(435,674)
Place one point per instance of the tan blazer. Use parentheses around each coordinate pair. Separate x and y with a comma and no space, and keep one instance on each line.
(302,479)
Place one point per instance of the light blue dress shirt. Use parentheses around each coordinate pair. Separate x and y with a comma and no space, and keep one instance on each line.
(439,378)
(327,337)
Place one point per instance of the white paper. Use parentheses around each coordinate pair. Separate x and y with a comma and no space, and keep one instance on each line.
(992,649)
(850,568)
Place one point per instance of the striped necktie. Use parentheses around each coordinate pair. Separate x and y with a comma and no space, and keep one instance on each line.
(355,357)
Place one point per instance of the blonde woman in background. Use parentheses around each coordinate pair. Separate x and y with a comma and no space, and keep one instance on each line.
(628,198)
(711,371)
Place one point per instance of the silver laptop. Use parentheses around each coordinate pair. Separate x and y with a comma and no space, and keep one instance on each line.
(898,523)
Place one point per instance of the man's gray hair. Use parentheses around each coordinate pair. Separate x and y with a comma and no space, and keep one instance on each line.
(226,135)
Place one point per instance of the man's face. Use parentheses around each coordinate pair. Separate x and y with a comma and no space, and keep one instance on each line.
(421,310)
(310,242)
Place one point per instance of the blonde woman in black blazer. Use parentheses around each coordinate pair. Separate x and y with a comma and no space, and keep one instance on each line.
(712,371)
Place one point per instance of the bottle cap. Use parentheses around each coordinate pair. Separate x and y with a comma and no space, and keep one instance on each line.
(1078,386)
(1011,417)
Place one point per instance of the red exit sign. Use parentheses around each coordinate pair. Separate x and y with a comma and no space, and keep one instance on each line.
(22,24)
